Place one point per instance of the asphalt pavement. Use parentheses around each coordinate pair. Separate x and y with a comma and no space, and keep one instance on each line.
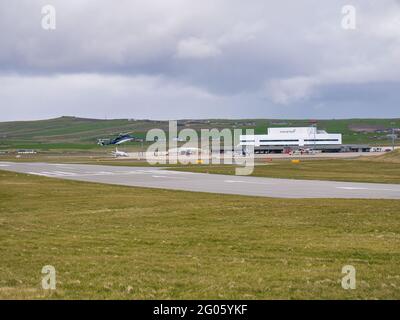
(201,182)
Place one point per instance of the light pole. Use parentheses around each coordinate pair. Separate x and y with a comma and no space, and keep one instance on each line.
(314,125)
(393,138)
(315,137)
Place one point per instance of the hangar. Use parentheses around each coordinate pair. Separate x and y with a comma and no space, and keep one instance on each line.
(278,140)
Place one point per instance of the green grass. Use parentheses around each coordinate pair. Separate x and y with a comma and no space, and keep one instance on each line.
(132,243)
(334,170)
(339,126)
(71,133)
(47,146)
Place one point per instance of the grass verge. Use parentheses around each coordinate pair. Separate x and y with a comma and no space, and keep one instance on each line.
(110,242)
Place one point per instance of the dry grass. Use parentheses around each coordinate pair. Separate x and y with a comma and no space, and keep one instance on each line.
(391,157)
(111,242)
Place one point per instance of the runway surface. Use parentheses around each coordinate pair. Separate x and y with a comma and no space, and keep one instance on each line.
(200,182)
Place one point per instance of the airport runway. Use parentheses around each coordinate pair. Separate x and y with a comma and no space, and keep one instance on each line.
(200,182)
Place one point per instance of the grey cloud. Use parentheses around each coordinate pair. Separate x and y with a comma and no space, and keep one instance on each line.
(182,58)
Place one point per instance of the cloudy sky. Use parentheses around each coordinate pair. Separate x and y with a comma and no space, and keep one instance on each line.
(170,59)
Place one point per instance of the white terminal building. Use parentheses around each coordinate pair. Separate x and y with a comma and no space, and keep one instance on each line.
(285,139)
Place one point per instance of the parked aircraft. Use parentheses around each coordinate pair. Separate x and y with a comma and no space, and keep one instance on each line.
(118,153)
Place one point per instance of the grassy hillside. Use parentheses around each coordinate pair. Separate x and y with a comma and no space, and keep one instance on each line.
(130,243)
(82,134)
(341,126)
(62,133)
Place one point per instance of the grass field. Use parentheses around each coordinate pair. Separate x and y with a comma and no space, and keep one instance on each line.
(392,157)
(71,133)
(131,243)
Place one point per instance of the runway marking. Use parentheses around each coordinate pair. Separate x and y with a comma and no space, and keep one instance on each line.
(148,171)
(54,174)
(169,177)
(165,172)
(248,182)
(63,173)
(48,173)
(64,166)
(351,188)
(38,174)
(58,173)
(4,165)
(176,172)
(359,188)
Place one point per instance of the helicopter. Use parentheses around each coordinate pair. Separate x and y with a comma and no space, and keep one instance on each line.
(120,139)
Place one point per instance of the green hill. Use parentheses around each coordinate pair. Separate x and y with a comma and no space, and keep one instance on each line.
(64,132)
(82,134)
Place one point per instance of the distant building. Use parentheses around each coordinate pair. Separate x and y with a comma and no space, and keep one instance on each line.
(26,151)
(279,123)
(280,139)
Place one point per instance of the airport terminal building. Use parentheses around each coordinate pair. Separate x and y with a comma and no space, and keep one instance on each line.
(278,140)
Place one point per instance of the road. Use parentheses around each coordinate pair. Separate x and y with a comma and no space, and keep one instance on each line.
(200,182)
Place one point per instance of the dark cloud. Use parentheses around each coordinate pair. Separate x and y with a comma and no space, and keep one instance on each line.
(180,58)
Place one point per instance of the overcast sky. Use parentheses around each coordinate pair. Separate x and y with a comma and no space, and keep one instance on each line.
(171,59)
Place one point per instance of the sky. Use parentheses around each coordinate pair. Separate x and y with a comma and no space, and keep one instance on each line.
(176,59)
